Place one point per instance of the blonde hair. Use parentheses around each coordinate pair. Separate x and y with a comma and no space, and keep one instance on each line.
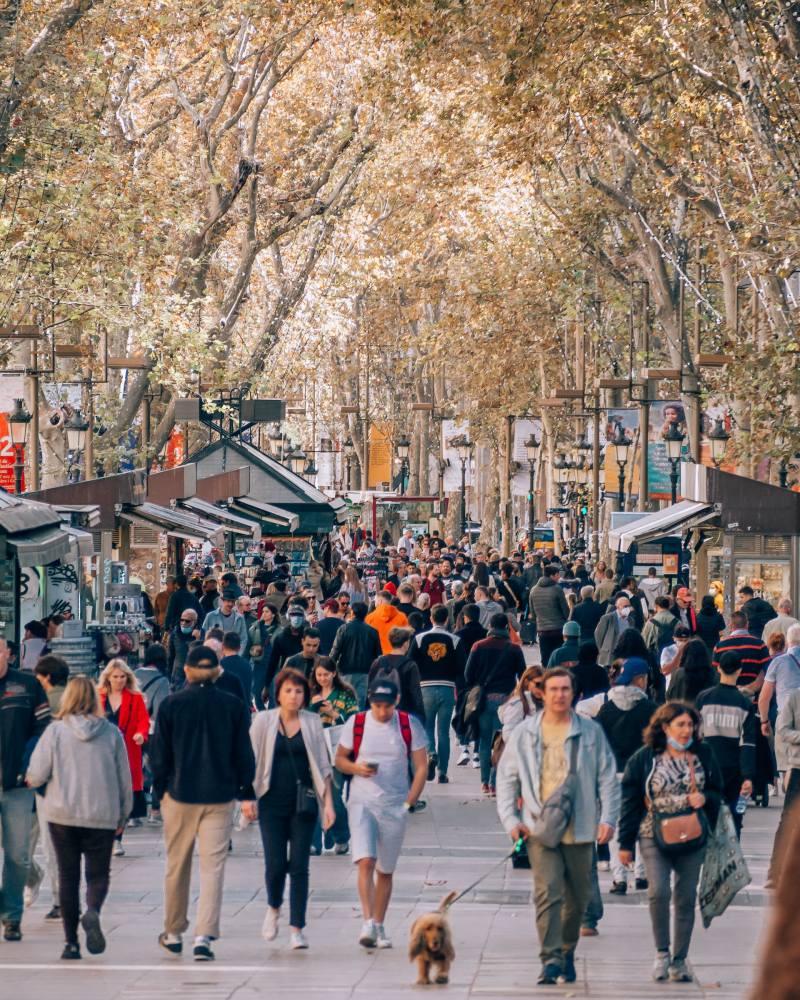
(103,682)
(79,698)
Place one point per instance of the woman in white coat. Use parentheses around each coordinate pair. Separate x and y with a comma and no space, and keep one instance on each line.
(292,783)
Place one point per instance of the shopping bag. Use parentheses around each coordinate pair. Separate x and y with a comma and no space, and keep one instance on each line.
(724,868)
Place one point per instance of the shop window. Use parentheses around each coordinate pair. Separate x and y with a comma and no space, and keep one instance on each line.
(769,579)
(777,545)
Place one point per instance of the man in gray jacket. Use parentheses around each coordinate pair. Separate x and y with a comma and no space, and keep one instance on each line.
(610,628)
(534,765)
(548,611)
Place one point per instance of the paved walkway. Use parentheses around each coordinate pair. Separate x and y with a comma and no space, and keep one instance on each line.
(449,846)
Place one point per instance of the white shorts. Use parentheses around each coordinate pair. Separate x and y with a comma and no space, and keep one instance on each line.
(379,837)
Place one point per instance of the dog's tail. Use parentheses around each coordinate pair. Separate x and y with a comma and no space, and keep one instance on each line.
(447,902)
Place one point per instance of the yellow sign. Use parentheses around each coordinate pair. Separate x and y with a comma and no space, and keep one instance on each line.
(380,457)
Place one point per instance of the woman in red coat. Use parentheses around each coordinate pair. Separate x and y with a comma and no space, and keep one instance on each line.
(123,704)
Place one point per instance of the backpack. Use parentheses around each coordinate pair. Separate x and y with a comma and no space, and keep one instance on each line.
(388,674)
(664,634)
(360,723)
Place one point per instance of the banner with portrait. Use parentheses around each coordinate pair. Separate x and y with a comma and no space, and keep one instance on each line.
(664,414)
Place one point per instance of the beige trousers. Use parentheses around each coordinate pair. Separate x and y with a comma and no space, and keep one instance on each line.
(210,827)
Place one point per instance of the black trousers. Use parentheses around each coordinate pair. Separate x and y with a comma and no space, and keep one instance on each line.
(287,845)
(70,844)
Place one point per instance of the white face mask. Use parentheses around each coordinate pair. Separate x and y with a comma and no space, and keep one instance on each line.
(623,612)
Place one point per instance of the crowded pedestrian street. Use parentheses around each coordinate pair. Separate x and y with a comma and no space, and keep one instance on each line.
(399,499)
(455,841)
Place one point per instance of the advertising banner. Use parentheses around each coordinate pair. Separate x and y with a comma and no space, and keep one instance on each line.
(628,420)
(663,415)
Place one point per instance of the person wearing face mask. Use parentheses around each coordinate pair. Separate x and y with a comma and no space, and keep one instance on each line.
(610,628)
(673,772)
(181,638)
(287,641)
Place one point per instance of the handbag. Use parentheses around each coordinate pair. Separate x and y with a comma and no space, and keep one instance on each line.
(306,798)
(474,702)
(556,813)
(682,832)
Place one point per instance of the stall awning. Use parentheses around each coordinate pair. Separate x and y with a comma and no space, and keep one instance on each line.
(170,521)
(233,522)
(39,547)
(662,522)
(268,513)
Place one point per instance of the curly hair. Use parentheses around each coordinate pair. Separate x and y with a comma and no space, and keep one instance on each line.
(654,735)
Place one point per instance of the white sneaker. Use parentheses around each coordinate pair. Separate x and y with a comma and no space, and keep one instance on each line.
(119,850)
(604,866)
(368,936)
(383,939)
(476,762)
(464,757)
(269,929)
(297,940)
(31,894)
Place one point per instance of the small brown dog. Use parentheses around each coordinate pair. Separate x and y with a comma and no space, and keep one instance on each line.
(431,944)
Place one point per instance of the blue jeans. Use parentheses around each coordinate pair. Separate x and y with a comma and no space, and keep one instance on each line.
(488,724)
(439,701)
(339,833)
(593,913)
(16,818)
(358,682)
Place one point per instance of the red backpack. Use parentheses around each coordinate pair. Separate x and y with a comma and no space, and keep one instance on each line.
(358,731)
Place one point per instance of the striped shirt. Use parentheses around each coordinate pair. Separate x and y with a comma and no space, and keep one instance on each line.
(752,652)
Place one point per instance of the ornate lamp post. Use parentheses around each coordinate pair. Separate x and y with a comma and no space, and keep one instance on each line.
(349,451)
(719,438)
(531,452)
(297,461)
(403,449)
(19,420)
(464,447)
(674,440)
(621,445)
(76,428)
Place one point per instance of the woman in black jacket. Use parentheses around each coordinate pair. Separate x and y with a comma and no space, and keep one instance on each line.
(694,673)
(710,623)
(674,772)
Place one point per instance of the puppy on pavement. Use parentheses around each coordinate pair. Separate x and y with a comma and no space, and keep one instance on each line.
(431,944)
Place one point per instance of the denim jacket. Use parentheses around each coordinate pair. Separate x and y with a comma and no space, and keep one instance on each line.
(519,776)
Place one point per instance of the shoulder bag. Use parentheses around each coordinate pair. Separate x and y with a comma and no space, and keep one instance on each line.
(306,798)
(683,832)
(556,813)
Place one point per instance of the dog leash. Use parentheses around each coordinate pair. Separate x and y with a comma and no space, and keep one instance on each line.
(518,847)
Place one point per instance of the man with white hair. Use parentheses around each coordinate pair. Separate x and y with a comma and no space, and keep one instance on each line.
(783,677)
(782,623)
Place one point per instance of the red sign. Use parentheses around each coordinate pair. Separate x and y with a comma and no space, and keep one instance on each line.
(176,452)
(7,457)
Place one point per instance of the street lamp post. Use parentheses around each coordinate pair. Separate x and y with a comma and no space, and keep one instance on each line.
(349,449)
(297,461)
(463,446)
(560,473)
(531,452)
(19,419)
(76,428)
(621,444)
(674,440)
(719,438)
(403,450)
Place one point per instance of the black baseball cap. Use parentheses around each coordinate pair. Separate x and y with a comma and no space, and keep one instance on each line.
(383,691)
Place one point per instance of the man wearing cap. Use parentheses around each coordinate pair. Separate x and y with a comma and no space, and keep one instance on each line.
(567,654)
(202,761)
(375,749)
(683,609)
(624,717)
(227,618)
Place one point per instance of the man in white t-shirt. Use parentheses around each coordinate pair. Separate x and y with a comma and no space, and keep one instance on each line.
(375,748)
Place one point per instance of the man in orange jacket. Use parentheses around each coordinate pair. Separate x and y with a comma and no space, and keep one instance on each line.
(386,617)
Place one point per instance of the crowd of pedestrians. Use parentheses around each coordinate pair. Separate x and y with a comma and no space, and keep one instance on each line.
(321,710)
